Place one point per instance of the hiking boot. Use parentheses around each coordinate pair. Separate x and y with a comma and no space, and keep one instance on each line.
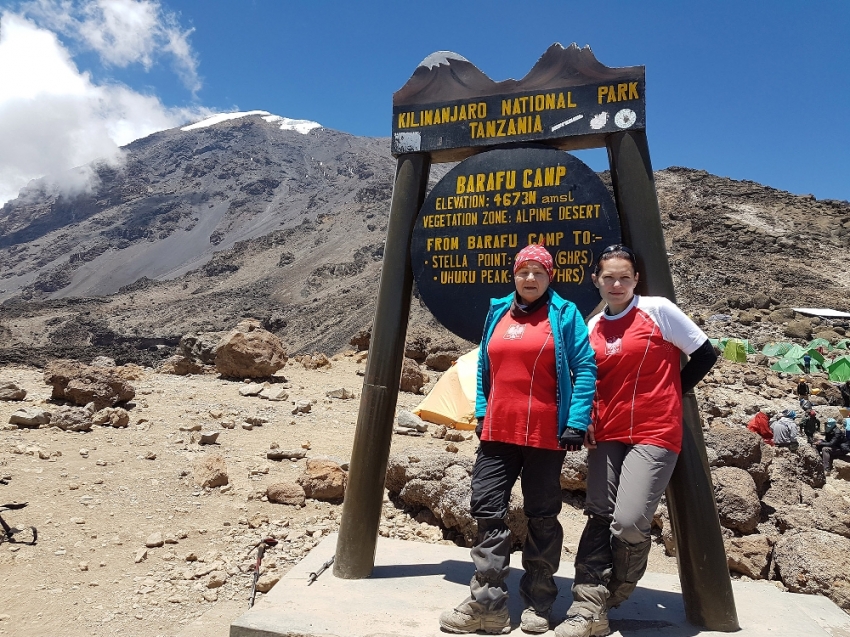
(534,622)
(578,626)
(468,619)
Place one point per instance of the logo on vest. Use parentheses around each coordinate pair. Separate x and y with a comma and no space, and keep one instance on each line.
(514,332)
(613,345)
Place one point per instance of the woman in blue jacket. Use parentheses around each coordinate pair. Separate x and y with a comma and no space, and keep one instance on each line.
(536,379)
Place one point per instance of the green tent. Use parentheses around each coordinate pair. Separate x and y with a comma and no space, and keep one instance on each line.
(787,365)
(795,353)
(749,347)
(715,343)
(735,350)
(819,342)
(722,343)
(816,356)
(777,349)
(843,343)
(839,369)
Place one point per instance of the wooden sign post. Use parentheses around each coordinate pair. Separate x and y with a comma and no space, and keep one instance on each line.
(524,189)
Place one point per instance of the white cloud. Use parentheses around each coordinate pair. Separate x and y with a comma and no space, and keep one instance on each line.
(121,32)
(53,117)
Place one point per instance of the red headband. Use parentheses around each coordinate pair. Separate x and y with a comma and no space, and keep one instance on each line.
(535,252)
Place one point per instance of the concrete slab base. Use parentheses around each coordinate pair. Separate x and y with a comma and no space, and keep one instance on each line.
(413,582)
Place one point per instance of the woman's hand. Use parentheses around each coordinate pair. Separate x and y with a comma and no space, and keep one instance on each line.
(590,437)
(571,439)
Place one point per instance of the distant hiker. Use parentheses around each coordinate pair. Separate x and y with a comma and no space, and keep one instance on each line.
(760,425)
(807,363)
(803,390)
(845,393)
(536,380)
(834,446)
(785,430)
(810,425)
(635,437)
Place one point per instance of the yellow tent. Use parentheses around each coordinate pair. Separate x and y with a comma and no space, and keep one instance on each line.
(452,400)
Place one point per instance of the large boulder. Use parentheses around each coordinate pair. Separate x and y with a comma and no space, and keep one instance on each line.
(323,480)
(784,485)
(200,346)
(412,378)
(249,351)
(829,392)
(32,417)
(442,483)
(749,555)
(739,447)
(815,562)
(290,493)
(574,471)
(800,329)
(73,418)
(737,501)
(827,512)
(180,365)
(82,384)
(10,391)
(210,470)
(440,361)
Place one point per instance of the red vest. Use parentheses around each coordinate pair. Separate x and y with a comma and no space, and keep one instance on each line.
(522,406)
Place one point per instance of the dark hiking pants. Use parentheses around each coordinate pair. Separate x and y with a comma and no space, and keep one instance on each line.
(497,467)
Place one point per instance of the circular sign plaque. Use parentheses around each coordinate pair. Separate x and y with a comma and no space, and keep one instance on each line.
(492,205)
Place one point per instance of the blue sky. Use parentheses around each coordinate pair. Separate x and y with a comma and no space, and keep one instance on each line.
(748,90)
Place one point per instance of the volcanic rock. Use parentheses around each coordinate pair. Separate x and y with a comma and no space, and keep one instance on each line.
(82,384)
(412,378)
(249,351)
(112,416)
(10,391)
(749,555)
(73,418)
(574,471)
(442,483)
(290,493)
(210,471)
(737,501)
(180,366)
(30,417)
(815,562)
(323,480)
(440,361)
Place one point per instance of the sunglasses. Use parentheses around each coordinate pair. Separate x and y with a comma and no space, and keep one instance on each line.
(619,247)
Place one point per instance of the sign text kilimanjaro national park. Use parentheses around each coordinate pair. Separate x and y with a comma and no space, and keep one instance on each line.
(449,107)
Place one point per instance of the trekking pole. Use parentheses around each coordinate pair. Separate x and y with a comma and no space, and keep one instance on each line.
(315,575)
(261,550)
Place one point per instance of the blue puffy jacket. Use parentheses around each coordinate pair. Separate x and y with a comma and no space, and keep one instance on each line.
(574,360)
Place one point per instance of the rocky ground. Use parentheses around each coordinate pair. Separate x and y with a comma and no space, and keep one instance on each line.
(99,498)
(129,543)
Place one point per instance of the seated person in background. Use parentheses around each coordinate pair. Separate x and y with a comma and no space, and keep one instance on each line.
(785,430)
(834,446)
(760,425)
(845,393)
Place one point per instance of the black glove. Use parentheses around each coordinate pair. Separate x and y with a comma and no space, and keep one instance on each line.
(572,439)
(479,428)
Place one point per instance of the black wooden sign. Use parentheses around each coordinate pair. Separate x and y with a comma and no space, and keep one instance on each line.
(492,205)
(448,107)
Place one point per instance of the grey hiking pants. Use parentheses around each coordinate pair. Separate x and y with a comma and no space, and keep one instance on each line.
(497,467)
(624,485)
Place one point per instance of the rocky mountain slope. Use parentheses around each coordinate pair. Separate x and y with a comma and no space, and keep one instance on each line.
(203,227)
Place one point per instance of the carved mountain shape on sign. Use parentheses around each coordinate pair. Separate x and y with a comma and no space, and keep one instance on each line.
(445,76)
